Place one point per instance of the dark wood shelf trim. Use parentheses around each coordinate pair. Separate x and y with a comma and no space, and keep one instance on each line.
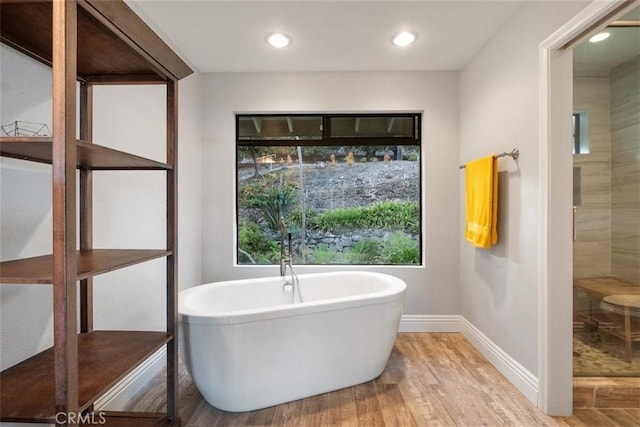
(104,358)
(30,51)
(112,39)
(135,79)
(132,30)
(38,270)
(89,156)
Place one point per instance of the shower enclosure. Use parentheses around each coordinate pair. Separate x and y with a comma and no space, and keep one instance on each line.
(606,251)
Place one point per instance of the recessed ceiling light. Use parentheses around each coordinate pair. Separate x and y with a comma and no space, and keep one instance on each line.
(404,38)
(278,40)
(599,37)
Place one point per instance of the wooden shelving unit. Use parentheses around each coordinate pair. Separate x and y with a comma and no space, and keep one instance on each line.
(95,42)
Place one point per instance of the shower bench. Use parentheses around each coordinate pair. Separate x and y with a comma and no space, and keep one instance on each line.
(619,308)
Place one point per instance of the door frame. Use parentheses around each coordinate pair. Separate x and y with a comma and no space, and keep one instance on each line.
(555,322)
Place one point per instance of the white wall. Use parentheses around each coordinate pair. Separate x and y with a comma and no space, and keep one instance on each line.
(432,288)
(130,118)
(190,181)
(25,211)
(499,111)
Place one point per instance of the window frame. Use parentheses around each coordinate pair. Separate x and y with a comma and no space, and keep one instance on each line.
(576,133)
(327,140)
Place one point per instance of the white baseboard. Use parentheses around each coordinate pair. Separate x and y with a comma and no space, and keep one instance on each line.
(518,375)
(427,323)
(122,393)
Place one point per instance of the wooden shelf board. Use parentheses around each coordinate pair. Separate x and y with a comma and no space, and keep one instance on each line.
(90,156)
(112,40)
(104,358)
(38,270)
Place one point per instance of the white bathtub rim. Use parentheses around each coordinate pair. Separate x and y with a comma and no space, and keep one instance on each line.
(395,292)
(393,279)
(283,311)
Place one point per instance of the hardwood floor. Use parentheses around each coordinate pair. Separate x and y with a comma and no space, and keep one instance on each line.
(434,379)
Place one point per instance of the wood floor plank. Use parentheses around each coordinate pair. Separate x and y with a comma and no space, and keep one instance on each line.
(316,410)
(261,417)
(388,377)
(288,414)
(204,415)
(189,398)
(634,413)
(367,405)
(591,417)
(623,417)
(343,407)
(394,408)
(435,379)
(570,421)
(230,419)
(464,403)
(152,398)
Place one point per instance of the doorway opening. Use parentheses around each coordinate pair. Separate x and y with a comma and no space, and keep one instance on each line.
(557,383)
(606,201)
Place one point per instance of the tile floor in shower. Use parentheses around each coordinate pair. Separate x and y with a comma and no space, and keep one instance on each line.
(602,355)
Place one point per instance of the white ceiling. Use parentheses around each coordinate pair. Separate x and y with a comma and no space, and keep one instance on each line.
(228,36)
(597,59)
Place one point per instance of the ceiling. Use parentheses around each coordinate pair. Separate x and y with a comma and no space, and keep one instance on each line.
(597,59)
(351,35)
(229,36)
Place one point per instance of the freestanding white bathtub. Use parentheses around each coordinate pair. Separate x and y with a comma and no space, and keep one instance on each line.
(248,347)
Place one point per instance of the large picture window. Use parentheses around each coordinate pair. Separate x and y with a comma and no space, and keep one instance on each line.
(346,185)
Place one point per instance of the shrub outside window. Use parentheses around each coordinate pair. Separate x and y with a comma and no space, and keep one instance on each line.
(347,186)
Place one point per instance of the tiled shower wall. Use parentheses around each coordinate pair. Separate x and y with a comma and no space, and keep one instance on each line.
(608,207)
(625,171)
(592,249)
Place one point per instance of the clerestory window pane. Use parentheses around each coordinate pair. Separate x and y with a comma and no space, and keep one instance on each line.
(287,128)
(372,127)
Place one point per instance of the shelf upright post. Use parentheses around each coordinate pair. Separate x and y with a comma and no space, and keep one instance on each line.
(64,208)
(86,205)
(172,246)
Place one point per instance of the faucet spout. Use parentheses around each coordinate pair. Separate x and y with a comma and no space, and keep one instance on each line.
(286,260)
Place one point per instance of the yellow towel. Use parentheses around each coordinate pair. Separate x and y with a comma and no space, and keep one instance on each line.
(482,202)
